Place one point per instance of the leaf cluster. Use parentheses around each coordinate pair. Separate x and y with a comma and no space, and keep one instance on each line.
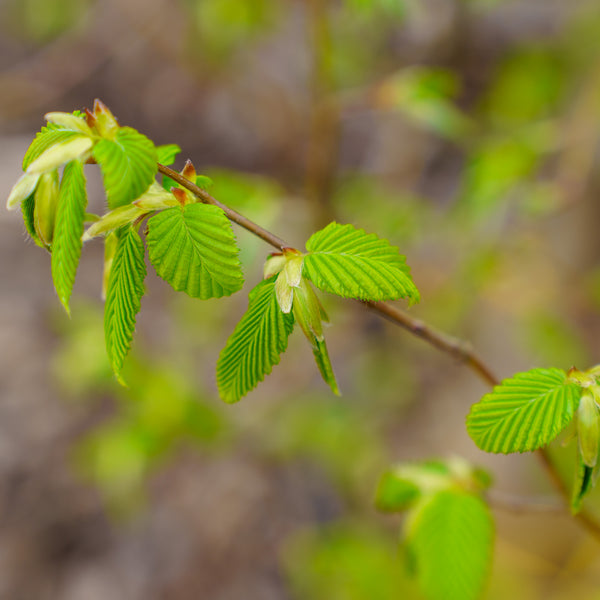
(191,245)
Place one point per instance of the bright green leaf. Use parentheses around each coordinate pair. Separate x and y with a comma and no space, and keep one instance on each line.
(525,412)
(68,229)
(450,538)
(166,154)
(128,165)
(348,262)
(123,297)
(255,345)
(193,248)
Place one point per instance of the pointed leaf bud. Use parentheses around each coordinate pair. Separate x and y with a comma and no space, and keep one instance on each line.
(293,270)
(61,153)
(106,123)
(588,429)
(189,172)
(22,189)
(183,196)
(46,201)
(69,121)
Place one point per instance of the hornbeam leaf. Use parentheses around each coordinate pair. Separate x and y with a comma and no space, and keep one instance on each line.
(68,121)
(255,345)
(324,363)
(450,538)
(525,412)
(128,164)
(582,484)
(24,187)
(193,249)
(49,135)
(66,244)
(166,154)
(28,210)
(123,297)
(348,262)
(61,153)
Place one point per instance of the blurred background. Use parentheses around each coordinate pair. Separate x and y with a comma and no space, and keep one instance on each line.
(464,131)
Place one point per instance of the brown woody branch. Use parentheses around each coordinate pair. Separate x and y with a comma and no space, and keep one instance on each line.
(440,340)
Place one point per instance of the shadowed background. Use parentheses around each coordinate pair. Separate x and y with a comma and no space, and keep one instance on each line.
(463,131)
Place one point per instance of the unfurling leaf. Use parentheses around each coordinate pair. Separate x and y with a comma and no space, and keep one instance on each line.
(76,147)
(123,297)
(24,187)
(46,200)
(309,314)
(450,539)
(49,136)
(66,245)
(69,121)
(128,164)
(582,484)
(588,429)
(350,263)
(255,345)
(28,209)
(325,368)
(193,249)
(525,412)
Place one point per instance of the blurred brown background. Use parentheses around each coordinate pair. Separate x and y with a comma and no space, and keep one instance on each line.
(464,131)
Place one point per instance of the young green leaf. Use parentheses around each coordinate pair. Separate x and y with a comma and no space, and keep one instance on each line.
(166,154)
(68,229)
(69,121)
(255,345)
(49,135)
(450,539)
(525,412)
(309,314)
(582,485)
(128,164)
(76,147)
(46,199)
(325,368)
(24,186)
(348,262)
(123,297)
(193,248)
(28,209)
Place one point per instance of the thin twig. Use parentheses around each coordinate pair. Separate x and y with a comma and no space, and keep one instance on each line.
(442,341)
(519,505)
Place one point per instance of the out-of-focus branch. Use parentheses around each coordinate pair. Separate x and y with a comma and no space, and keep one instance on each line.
(325,117)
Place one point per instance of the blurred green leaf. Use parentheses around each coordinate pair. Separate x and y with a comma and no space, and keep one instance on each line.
(345,562)
(450,538)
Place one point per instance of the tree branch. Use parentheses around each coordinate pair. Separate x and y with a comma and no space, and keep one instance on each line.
(452,346)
